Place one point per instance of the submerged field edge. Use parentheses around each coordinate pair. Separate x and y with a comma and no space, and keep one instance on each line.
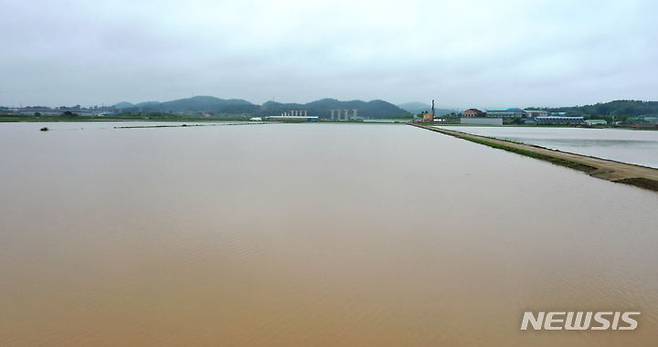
(609,170)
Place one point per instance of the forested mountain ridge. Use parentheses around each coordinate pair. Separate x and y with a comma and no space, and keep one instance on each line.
(619,108)
(212,105)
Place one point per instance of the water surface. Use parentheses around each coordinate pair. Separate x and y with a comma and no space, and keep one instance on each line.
(628,146)
(308,234)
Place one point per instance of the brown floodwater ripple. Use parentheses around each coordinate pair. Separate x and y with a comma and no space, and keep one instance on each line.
(308,235)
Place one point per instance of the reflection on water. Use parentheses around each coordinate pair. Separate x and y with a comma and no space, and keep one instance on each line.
(308,234)
(629,146)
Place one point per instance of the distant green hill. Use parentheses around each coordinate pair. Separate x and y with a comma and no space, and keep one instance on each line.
(123,105)
(146,104)
(322,108)
(419,107)
(209,104)
(617,108)
(415,107)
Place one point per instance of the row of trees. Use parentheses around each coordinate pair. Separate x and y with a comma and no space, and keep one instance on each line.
(618,109)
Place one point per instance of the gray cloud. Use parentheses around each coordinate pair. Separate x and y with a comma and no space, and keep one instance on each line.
(473,52)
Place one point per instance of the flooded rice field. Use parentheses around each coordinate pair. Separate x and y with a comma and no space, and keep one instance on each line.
(629,146)
(309,234)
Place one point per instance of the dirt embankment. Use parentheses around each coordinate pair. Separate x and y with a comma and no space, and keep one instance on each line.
(636,175)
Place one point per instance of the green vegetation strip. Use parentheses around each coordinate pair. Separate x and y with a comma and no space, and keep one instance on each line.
(640,182)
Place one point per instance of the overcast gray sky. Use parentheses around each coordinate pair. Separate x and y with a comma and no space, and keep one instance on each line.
(465,53)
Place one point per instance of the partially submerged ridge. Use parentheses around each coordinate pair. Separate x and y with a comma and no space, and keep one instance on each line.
(610,170)
(183,125)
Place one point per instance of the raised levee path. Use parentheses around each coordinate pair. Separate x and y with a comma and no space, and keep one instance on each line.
(614,171)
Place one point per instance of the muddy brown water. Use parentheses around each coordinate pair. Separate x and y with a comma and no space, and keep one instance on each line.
(308,235)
